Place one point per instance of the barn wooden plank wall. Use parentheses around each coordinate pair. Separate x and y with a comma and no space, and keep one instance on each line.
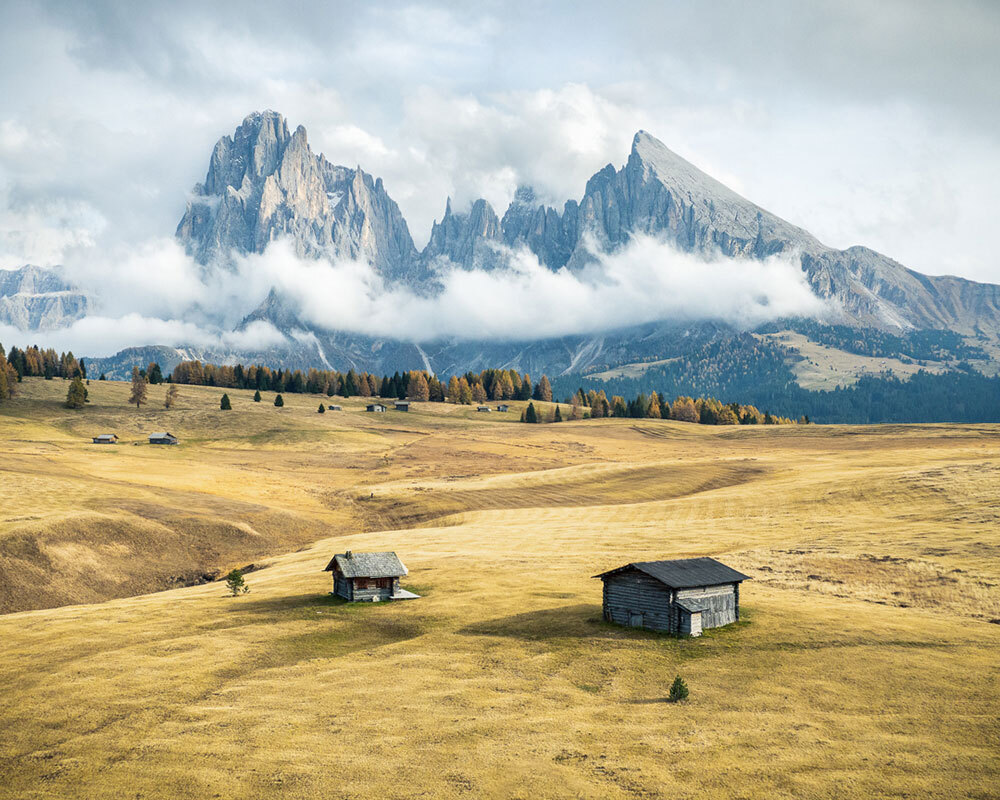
(634,598)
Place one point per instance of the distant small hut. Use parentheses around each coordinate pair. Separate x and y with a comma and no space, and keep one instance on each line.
(402,405)
(684,596)
(376,408)
(503,407)
(368,577)
(334,408)
(485,409)
(106,438)
(162,438)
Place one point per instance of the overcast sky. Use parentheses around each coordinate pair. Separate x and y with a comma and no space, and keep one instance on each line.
(866,123)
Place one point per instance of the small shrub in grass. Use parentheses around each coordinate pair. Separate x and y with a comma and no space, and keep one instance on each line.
(256,396)
(279,401)
(235,583)
(678,690)
(224,404)
(321,409)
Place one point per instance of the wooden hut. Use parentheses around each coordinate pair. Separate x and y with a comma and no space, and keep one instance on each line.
(484,409)
(334,408)
(106,438)
(368,577)
(503,407)
(375,408)
(402,405)
(162,438)
(684,596)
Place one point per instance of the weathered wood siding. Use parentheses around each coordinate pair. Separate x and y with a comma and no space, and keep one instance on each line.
(690,623)
(367,589)
(632,593)
(341,586)
(636,599)
(721,601)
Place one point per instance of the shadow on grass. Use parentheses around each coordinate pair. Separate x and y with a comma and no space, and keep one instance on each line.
(336,628)
(583,621)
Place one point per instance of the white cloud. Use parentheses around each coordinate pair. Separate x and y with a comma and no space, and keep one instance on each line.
(646,281)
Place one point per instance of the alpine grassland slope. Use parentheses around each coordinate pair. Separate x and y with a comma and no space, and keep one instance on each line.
(865,664)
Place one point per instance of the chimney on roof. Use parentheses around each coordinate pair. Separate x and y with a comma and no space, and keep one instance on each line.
(348,554)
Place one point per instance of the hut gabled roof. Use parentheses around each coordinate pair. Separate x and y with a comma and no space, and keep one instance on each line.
(367,565)
(684,573)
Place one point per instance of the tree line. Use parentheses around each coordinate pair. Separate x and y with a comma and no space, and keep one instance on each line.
(472,387)
(594,404)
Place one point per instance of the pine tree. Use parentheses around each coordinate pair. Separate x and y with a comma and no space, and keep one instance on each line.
(278,401)
(235,583)
(153,373)
(321,409)
(530,415)
(417,387)
(224,404)
(171,398)
(544,390)
(256,396)
(139,388)
(454,395)
(77,394)
(678,690)
(464,392)
(103,377)
(558,416)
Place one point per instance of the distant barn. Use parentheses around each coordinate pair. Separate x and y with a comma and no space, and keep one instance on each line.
(486,409)
(402,405)
(334,408)
(162,438)
(684,596)
(106,438)
(503,407)
(368,577)
(376,408)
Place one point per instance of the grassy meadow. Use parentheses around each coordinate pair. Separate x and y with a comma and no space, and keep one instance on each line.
(866,664)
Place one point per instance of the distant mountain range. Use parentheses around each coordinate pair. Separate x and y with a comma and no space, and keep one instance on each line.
(33,298)
(265,183)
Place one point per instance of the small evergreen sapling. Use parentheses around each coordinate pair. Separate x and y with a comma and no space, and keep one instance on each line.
(77,394)
(321,409)
(256,396)
(278,401)
(235,583)
(224,404)
(678,690)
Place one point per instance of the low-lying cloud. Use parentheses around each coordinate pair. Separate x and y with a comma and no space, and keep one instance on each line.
(158,295)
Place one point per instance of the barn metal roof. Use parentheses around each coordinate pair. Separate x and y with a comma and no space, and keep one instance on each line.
(684,573)
(368,565)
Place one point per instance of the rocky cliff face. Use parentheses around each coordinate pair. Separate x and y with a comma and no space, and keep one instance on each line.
(33,298)
(659,193)
(264,183)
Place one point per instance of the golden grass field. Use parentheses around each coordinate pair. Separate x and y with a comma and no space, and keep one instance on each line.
(866,666)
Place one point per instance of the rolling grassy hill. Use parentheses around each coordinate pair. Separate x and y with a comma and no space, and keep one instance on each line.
(866,664)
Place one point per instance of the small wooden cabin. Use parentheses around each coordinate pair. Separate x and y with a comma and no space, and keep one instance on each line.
(367,577)
(485,409)
(402,405)
(375,408)
(106,438)
(684,596)
(162,438)
(503,407)
(334,408)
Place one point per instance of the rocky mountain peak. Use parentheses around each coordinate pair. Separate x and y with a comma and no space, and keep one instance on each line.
(264,183)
